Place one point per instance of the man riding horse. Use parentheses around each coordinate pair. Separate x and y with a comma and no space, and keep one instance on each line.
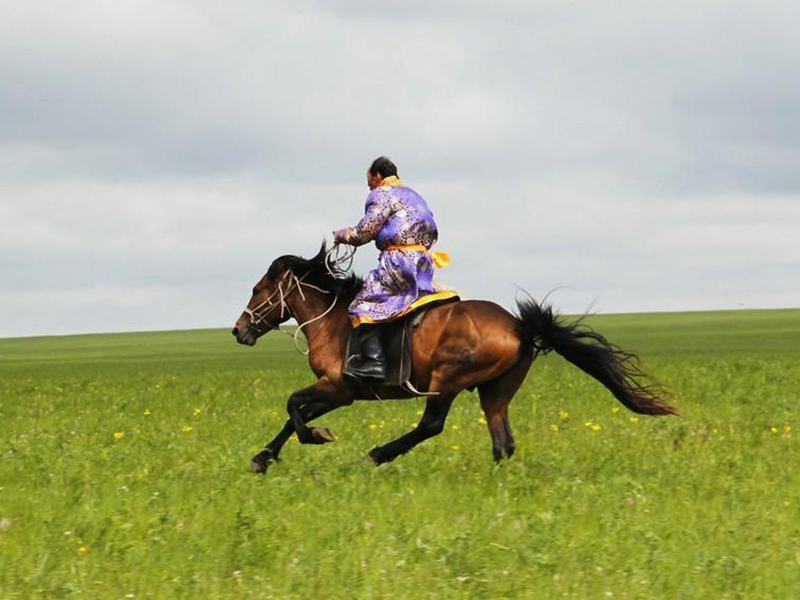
(401,224)
(453,346)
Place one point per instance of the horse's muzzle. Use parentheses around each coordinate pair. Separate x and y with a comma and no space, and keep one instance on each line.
(246,336)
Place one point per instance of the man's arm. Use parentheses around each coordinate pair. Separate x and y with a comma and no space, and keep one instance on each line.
(378,209)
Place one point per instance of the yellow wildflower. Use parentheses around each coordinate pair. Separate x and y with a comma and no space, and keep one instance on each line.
(118,435)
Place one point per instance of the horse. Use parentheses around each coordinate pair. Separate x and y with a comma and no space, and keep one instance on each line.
(460,345)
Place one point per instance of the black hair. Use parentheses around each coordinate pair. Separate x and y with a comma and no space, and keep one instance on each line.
(383,166)
(316,272)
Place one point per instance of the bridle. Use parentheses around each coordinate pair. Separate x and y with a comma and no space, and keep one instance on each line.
(277,300)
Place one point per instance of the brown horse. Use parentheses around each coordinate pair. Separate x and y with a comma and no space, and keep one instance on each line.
(459,345)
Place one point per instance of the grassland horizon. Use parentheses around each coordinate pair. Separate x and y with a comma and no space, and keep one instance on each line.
(292,324)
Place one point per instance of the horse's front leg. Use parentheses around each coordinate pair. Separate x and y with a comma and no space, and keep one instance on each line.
(269,454)
(271,451)
(326,399)
(313,401)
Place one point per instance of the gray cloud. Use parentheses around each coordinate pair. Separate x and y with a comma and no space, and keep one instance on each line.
(639,157)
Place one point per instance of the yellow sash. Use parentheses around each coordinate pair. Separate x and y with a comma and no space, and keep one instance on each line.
(440,259)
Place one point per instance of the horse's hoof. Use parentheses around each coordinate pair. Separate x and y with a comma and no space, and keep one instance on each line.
(322,435)
(261,461)
(374,457)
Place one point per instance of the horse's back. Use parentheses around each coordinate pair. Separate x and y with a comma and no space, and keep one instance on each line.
(479,314)
(477,335)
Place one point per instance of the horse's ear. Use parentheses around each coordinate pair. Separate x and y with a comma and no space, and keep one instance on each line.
(323,251)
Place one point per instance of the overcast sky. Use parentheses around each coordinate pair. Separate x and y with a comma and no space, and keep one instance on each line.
(157,155)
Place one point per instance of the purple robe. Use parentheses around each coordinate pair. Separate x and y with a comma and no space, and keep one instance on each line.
(395,215)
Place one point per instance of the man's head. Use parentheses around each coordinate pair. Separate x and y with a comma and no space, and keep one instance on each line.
(381,168)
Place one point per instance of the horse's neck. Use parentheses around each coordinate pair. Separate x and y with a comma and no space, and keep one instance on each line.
(320,316)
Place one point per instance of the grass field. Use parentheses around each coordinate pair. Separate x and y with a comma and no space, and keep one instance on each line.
(124,474)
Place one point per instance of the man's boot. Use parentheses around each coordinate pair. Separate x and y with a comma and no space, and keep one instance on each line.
(371,363)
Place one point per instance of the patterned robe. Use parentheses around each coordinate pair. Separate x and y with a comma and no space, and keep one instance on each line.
(395,216)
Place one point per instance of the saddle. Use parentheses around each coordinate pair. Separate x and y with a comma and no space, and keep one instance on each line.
(396,339)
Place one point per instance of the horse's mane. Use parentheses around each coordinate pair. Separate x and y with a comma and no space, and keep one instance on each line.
(317,272)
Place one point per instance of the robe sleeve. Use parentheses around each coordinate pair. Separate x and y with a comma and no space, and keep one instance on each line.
(378,209)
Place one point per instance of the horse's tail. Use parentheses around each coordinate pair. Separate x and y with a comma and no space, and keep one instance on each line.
(619,371)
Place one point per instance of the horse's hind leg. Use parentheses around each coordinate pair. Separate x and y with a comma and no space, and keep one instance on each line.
(495,397)
(431,424)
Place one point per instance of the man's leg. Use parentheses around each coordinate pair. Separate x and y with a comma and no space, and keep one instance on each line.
(371,363)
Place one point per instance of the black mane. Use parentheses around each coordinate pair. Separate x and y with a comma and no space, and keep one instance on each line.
(316,272)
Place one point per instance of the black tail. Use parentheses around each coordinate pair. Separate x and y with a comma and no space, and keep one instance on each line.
(617,370)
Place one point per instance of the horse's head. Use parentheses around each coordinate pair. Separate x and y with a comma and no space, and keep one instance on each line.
(271,301)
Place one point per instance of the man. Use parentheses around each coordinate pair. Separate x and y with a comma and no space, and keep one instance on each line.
(400,223)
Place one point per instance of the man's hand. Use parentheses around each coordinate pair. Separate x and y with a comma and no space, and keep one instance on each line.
(342,236)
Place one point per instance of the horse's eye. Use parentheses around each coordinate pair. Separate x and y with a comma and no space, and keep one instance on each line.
(255,291)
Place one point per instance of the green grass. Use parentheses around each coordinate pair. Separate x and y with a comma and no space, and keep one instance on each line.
(124,473)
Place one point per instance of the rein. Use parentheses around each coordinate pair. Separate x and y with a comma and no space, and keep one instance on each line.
(312,320)
(339,260)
